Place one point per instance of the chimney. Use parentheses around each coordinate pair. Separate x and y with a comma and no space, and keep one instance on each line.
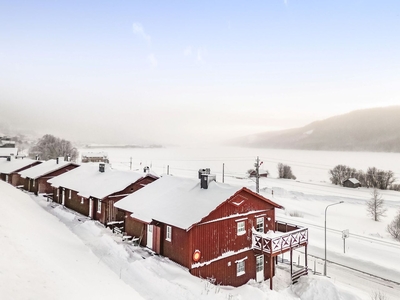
(203,171)
(9,158)
(102,167)
(206,178)
(57,160)
(37,157)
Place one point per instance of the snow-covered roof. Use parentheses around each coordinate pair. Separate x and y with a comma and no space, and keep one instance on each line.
(176,201)
(7,167)
(88,181)
(353,180)
(45,168)
(8,151)
(94,154)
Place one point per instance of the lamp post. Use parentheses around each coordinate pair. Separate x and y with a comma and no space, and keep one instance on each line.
(326,208)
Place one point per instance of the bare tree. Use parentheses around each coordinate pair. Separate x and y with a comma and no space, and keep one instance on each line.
(375,206)
(285,171)
(394,227)
(51,147)
(340,173)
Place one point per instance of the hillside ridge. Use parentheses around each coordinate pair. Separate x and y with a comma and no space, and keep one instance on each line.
(373,129)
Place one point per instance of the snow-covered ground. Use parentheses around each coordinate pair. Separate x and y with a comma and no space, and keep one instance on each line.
(49,252)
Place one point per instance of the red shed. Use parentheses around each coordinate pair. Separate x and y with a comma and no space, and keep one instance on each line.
(92,190)
(35,178)
(215,230)
(10,166)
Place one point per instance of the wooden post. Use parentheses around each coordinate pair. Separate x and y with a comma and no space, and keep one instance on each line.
(305,257)
(291,263)
(271,274)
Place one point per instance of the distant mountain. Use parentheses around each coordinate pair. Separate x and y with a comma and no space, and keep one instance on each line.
(375,129)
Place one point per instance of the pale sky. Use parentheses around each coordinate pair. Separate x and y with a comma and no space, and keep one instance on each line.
(177,72)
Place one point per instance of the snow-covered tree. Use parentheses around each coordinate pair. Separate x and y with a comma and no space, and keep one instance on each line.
(375,206)
(285,171)
(51,147)
(394,227)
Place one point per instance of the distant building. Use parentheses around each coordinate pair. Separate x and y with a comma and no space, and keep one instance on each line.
(351,183)
(88,157)
(6,142)
(261,173)
(7,152)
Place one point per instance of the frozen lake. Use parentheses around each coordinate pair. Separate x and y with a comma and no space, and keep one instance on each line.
(306,165)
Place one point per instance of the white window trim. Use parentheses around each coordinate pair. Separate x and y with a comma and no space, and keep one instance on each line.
(168,235)
(258,223)
(240,268)
(70,194)
(241,230)
(99,206)
(33,182)
(82,200)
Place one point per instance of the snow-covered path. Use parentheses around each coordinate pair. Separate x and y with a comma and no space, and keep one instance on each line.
(42,259)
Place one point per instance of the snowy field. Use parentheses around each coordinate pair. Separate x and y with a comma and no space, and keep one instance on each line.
(49,252)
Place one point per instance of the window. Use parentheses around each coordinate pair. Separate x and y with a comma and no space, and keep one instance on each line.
(33,182)
(82,201)
(69,195)
(240,268)
(168,235)
(259,263)
(260,224)
(241,228)
(58,193)
(99,206)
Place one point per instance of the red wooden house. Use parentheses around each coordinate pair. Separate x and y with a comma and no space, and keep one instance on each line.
(215,230)
(92,190)
(10,166)
(35,178)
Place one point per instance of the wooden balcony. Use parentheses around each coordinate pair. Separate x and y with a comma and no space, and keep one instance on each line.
(286,237)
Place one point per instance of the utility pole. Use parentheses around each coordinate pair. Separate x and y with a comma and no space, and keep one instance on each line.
(223,172)
(257,166)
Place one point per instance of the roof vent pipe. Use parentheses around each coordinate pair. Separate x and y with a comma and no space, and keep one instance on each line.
(102,167)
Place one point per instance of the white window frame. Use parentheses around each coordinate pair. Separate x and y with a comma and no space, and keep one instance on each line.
(241,228)
(168,234)
(70,194)
(58,193)
(260,221)
(240,268)
(82,200)
(33,182)
(99,206)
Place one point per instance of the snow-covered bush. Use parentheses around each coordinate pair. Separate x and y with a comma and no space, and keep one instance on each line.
(394,227)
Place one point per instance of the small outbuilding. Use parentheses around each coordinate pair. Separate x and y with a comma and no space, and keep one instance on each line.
(93,189)
(35,178)
(351,183)
(10,166)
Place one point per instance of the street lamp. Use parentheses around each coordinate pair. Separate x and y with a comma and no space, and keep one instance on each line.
(325,232)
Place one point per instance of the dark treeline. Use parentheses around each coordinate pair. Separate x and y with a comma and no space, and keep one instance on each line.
(373,177)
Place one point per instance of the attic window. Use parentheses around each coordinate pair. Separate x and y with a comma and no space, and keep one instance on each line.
(99,206)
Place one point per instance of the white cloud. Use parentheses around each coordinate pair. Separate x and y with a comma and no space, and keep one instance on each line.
(153,61)
(139,30)
(188,51)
